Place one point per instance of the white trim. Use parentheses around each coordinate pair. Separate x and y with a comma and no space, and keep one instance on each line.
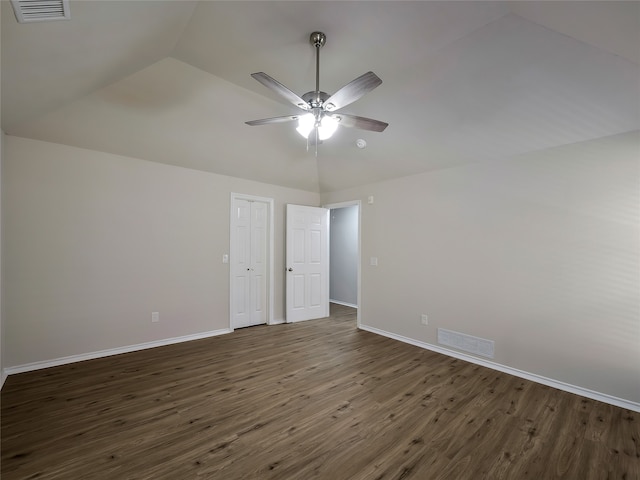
(585,392)
(28,367)
(3,377)
(270,248)
(277,321)
(359,292)
(346,304)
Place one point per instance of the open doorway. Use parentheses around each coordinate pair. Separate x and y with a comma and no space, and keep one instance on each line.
(344,263)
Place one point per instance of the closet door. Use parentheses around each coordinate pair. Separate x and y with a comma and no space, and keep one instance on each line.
(249,263)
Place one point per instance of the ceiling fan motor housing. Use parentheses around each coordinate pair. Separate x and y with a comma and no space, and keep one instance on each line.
(315,99)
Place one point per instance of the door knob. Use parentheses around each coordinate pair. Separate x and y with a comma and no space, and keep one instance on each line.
(290,269)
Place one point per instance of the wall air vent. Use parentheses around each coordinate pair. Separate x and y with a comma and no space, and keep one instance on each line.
(40,10)
(468,343)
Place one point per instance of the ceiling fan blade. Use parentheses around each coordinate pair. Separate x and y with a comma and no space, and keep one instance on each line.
(280,89)
(362,123)
(352,91)
(266,121)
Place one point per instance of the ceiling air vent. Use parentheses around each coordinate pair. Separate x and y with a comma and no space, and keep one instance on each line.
(40,10)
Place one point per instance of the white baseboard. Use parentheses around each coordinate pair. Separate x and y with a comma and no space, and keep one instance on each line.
(601,397)
(112,351)
(3,377)
(277,321)
(352,305)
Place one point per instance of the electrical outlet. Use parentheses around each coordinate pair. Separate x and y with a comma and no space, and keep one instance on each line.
(155,317)
(424,320)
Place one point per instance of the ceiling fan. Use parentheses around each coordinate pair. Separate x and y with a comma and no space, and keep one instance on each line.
(320,121)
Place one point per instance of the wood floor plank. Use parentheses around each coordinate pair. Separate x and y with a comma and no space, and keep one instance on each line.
(313,400)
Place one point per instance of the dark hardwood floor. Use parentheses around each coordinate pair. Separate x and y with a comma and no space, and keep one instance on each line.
(312,400)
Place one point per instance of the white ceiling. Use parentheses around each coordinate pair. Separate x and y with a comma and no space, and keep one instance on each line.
(463,82)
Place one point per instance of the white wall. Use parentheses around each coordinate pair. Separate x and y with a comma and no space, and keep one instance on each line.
(95,242)
(343,282)
(539,253)
(2,372)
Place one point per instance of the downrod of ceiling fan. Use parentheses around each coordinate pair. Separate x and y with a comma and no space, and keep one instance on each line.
(318,39)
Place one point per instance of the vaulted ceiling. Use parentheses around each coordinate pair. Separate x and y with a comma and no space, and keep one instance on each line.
(463,82)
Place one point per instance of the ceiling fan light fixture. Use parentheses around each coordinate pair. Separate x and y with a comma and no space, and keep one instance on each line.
(305,124)
(328,126)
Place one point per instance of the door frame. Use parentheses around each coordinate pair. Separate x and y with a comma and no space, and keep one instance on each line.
(351,203)
(270,249)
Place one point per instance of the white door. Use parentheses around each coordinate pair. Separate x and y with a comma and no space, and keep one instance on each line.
(307,263)
(249,263)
